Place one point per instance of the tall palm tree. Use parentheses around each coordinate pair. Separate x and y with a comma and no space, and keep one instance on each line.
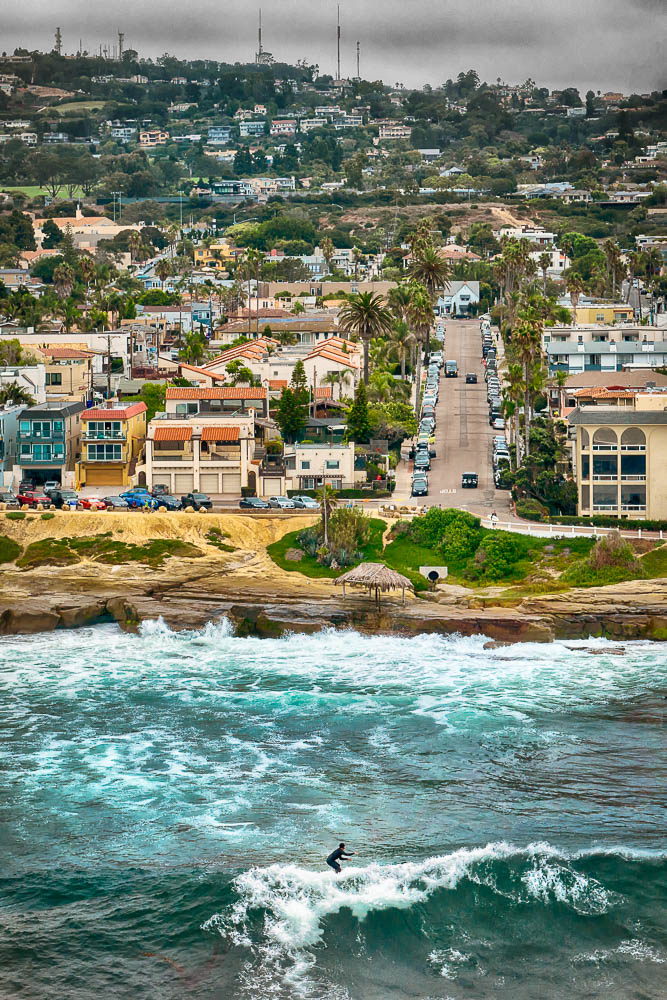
(527,340)
(433,271)
(402,338)
(14,394)
(63,280)
(327,499)
(575,287)
(365,314)
(544,263)
(163,269)
(421,317)
(250,263)
(134,243)
(515,384)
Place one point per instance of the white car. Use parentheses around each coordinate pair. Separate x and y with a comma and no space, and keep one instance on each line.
(305,503)
(284,503)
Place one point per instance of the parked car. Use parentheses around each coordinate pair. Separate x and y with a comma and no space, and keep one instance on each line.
(137,500)
(499,423)
(469,481)
(9,499)
(197,500)
(422,460)
(160,488)
(92,503)
(60,497)
(254,503)
(26,484)
(282,503)
(471,378)
(428,411)
(305,503)
(116,503)
(168,501)
(33,497)
(420,486)
(51,484)
(501,479)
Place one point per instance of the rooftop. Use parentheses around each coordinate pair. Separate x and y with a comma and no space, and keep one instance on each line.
(616,415)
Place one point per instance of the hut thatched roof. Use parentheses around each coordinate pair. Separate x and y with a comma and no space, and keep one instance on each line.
(376,576)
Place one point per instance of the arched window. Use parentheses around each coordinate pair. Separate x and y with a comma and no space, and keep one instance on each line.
(633,437)
(585,439)
(605,437)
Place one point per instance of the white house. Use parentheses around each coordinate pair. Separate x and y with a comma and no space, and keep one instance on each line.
(457,298)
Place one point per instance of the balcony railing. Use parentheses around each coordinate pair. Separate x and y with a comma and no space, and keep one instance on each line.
(31,436)
(605,506)
(640,476)
(633,506)
(633,447)
(104,436)
(605,447)
(605,478)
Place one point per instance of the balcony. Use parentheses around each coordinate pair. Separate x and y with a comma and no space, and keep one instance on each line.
(597,477)
(605,507)
(636,508)
(29,460)
(104,436)
(32,436)
(633,477)
(633,447)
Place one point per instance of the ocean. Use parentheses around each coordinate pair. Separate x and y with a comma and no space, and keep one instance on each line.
(167,801)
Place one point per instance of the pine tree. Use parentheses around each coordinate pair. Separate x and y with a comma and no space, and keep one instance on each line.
(67,247)
(358,422)
(299,383)
(291,415)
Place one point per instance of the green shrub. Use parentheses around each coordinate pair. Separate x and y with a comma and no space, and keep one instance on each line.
(47,552)
(497,556)
(530,509)
(48,516)
(9,549)
(15,515)
(454,530)
(611,560)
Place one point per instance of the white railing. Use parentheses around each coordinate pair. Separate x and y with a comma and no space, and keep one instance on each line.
(569,530)
(633,447)
(637,476)
(609,479)
(605,447)
(633,506)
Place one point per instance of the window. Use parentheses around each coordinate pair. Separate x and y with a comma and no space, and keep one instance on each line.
(332,464)
(41,428)
(585,467)
(54,378)
(58,426)
(26,450)
(305,465)
(105,452)
(41,452)
(604,439)
(599,318)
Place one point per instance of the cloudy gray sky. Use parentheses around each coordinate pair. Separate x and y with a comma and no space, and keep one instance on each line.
(601,44)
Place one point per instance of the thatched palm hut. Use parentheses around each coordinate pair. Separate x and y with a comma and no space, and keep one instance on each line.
(376,577)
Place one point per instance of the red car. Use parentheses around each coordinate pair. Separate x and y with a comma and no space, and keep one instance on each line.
(33,497)
(92,503)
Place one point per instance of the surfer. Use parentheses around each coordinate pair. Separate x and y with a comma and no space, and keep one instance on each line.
(338,855)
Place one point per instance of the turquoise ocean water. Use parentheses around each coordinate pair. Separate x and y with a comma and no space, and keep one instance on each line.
(167,801)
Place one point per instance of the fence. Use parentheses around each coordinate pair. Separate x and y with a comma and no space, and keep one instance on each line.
(567,530)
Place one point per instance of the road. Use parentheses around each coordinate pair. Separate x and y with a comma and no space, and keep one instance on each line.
(463,438)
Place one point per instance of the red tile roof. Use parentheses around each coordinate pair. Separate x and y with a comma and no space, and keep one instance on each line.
(220,433)
(64,352)
(172,434)
(102,413)
(216,392)
(277,383)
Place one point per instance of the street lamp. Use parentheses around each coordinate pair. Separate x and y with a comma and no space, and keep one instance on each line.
(119,195)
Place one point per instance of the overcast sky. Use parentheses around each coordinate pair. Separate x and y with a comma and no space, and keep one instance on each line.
(598,44)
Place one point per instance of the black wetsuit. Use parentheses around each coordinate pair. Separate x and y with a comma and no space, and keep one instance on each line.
(334,858)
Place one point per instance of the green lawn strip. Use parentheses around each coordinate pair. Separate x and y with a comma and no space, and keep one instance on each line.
(309,566)
(103,549)
(15,515)
(215,537)
(9,549)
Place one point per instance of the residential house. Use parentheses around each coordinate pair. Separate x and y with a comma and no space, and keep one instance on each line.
(87,230)
(559,262)
(247,129)
(429,155)
(619,458)
(621,335)
(113,438)
(394,130)
(585,387)
(123,133)
(604,356)
(30,378)
(458,298)
(576,196)
(151,137)
(604,313)
(207,451)
(540,237)
(219,135)
(49,442)
(69,372)
(283,126)
(309,466)
(310,124)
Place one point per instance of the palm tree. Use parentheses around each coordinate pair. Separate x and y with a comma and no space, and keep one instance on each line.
(134,243)
(432,271)
(163,270)
(527,340)
(544,263)
(366,315)
(328,249)
(402,338)
(250,268)
(575,287)
(14,394)
(514,379)
(327,499)
(332,379)
(63,280)
(196,348)
(421,317)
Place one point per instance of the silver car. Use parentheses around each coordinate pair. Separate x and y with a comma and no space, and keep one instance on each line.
(305,503)
(282,503)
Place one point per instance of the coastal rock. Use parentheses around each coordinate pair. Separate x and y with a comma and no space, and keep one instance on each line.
(27,620)
(293,555)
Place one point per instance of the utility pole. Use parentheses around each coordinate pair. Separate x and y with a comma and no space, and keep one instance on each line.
(59,42)
(358,73)
(108,366)
(338,41)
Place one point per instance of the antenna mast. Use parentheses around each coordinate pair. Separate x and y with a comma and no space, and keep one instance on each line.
(121,39)
(59,42)
(358,73)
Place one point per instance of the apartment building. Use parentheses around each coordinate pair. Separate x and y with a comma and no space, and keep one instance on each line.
(49,442)
(308,467)
(310,124)
(283,126)
(540,237)
(30,378)
(113,438)
(604,313)
(619,458)
(605,356)
(219,135)
(393,130)
(9,427)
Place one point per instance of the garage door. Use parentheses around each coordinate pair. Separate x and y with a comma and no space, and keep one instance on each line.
(184,482)
(210,482)
(231,482)
(104,477)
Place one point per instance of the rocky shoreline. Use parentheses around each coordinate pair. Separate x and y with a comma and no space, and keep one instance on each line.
(637,611)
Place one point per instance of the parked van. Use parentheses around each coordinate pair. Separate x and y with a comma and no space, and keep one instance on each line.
(451,369)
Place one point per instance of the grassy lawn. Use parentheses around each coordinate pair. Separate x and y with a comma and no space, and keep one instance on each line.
(9,549)
(62,109)
(103,549)
(34,191)
(309,565)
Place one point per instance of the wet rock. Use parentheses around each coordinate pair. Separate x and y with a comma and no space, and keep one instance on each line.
(27,621)
(497,644)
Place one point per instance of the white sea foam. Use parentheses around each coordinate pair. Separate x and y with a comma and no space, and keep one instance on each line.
(296,901)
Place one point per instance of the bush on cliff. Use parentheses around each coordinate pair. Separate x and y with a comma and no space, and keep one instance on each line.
(9,549)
